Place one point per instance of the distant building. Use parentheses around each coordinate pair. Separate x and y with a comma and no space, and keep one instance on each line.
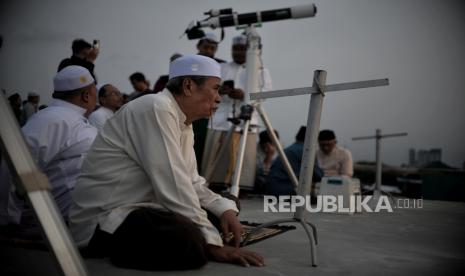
(411,157)
(424,157)
(435,155)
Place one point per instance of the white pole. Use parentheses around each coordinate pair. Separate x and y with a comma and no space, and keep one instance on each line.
(379,168)
(311,135)
(37,187)
(251,70)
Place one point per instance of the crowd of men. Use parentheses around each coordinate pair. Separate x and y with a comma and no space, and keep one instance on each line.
(128,174)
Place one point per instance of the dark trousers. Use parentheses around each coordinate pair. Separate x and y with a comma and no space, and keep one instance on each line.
(152,239)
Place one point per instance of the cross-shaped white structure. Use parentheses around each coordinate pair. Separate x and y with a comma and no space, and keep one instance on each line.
(379,169)
(317,91)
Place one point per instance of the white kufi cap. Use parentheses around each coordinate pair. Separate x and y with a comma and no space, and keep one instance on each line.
(194,65)
(240,39)
(211,37)
(71,78)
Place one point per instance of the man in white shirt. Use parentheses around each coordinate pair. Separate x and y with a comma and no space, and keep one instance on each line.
(334,160)
(139,199)
(31,106)
(59,136)
(232,98)
(110,100)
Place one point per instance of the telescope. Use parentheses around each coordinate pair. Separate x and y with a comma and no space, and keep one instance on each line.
(227,18)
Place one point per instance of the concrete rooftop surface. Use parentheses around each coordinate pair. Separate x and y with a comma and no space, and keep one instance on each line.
(422,241)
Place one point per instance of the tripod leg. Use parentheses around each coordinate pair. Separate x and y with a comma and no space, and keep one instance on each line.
(238,168)
(311,239)
(314,230)
(277,144)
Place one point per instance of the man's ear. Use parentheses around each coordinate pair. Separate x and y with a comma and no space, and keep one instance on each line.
(187,85)
(85,96)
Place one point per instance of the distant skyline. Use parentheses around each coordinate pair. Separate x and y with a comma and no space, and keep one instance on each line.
(418,45)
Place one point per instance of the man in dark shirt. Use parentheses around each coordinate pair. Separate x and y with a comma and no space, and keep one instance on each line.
(83,55)
(278,181)
(140,84)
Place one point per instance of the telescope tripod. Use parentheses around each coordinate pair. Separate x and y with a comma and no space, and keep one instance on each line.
(252,70)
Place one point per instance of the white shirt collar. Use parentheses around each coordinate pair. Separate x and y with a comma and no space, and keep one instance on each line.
(65,104)
(182,116)
(106,109)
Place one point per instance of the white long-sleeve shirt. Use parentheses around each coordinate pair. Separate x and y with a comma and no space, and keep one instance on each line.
(338,162)
(58,137)
(100,116)
(144,156)
(237,73)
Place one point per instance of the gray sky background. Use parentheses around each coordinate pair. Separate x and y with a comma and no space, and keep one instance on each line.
(418,45)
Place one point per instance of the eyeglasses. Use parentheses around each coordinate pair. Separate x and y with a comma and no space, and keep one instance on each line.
(115,93)
(327,143)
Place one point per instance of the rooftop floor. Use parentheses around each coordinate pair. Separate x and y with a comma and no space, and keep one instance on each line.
(426,241)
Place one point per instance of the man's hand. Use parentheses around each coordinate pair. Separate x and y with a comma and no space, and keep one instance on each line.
(93,54)
(230,224)
(229,254)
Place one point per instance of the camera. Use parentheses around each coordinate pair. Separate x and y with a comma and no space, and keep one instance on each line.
(246,112)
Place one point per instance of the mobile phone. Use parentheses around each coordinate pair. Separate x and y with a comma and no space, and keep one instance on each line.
(96,44)
(229,83)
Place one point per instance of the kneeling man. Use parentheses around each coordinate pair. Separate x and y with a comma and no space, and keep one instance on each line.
(139,199)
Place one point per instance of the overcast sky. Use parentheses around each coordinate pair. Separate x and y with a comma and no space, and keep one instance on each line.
(418,45)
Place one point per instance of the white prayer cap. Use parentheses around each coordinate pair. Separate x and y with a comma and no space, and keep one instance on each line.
(211,37)
(194,65)
(240,39)
(71,78)
(32,94)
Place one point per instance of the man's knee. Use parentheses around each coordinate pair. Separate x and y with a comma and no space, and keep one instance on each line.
(158,240)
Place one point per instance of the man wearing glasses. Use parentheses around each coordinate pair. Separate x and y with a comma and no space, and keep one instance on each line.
(110,99)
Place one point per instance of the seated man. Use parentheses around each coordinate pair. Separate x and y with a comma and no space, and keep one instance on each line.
(110,100)
(278,181)
(334,160)
(140,200)
(266,154)
(58,137)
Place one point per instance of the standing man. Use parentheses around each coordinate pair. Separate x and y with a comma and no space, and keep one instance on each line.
(139,199)
(207,46)
(334,160)
(140,84)
(232,97)
(59,137)
(84,55)
(110,99)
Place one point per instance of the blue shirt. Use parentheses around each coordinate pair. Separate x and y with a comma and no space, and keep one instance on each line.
(278,181)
